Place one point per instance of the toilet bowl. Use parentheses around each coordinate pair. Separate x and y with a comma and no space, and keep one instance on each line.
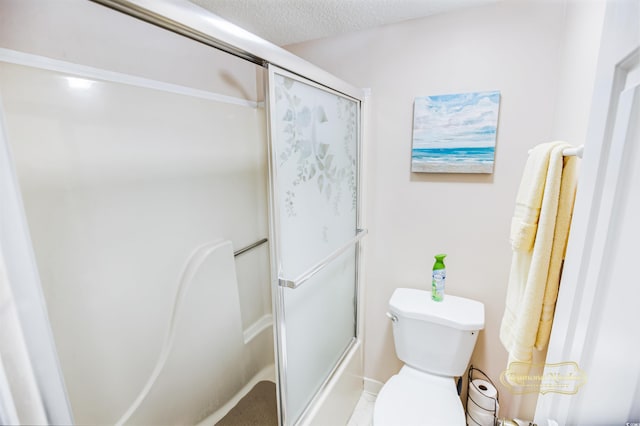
(435,340)
(412,397)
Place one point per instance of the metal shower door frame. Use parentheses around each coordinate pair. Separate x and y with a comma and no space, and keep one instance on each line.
(279,282)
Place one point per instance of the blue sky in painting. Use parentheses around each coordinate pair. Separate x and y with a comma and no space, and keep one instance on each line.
(456,121)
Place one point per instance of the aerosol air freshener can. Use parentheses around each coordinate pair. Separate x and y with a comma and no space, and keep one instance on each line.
(438,278)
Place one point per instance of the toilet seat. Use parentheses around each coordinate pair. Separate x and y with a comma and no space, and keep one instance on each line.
(415,398)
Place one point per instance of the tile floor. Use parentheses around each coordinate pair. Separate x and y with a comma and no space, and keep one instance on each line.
(363,413)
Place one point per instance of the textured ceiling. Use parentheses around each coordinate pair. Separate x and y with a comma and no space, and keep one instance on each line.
(285,22)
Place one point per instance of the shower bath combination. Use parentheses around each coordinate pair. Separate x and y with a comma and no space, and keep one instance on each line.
(190,234)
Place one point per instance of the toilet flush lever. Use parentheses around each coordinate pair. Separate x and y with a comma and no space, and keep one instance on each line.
(392,317)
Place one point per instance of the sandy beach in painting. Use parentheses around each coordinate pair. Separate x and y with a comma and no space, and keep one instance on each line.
(449,167)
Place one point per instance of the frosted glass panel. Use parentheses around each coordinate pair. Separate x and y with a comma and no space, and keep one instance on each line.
(314,160)
(122,187)
(315,149)
(320,324)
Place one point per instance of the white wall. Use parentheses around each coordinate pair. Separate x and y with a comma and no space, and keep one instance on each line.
(579,56)
(523,49)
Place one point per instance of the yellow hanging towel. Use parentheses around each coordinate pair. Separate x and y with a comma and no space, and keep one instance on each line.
(539,232)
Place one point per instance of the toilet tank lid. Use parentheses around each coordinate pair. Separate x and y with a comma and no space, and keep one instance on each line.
(453,311)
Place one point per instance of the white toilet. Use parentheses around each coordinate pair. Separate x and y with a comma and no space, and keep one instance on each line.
(435,341)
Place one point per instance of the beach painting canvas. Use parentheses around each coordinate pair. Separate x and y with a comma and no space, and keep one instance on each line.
(455,133)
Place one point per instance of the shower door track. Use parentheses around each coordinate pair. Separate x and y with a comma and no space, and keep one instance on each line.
(189,20)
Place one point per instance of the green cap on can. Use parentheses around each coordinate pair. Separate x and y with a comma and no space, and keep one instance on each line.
(439,261)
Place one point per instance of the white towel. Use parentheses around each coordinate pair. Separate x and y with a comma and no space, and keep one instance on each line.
(558,249)
(524,223)
(539,232)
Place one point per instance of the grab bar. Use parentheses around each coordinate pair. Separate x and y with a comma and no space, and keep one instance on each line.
(249,247)
(302,278)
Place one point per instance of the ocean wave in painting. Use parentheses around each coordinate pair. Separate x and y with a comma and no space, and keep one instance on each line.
(454,155)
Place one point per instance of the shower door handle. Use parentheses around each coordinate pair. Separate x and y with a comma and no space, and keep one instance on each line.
(302,278)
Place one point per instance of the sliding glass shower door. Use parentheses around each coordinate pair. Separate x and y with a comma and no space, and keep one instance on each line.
(134,166)
(314,229)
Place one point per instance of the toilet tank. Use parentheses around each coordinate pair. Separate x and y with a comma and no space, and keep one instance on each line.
(435,337)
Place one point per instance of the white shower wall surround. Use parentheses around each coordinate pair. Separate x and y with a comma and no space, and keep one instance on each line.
(120,183)
(191,371)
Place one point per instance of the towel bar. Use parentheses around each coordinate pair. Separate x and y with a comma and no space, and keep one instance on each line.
(568,152)
(577,151)
(296,282)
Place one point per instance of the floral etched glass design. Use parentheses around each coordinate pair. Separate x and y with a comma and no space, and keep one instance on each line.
(316,133)
(314,159)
